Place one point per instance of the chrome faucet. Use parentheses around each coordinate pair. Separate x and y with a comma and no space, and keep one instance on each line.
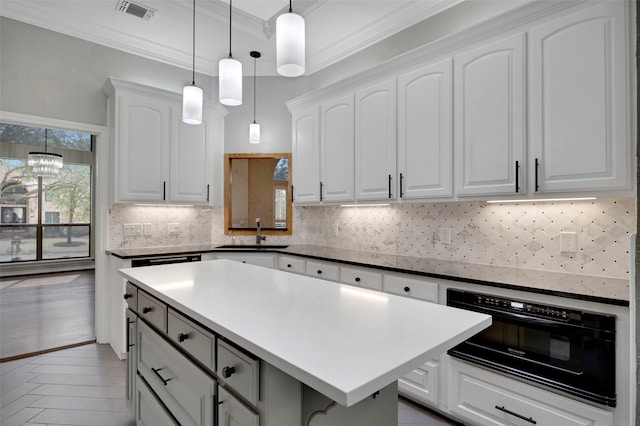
(259,238)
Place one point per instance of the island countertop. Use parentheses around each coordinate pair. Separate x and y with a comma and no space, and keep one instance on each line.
(342,341)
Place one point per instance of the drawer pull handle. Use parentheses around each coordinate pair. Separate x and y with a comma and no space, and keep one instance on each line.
(164,381)
(146,310)
(407,289)
(127,296)
(520,416)
(357,279)
(228,372)
(182,337)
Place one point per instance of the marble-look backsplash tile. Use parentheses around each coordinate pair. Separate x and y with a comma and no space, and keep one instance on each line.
(523,235)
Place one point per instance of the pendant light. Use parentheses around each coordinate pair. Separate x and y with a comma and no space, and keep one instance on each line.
(290,44)
(192,95)
(230,76)
(254,128)
(45,164)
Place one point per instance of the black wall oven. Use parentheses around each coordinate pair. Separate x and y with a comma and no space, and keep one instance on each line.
(566,349)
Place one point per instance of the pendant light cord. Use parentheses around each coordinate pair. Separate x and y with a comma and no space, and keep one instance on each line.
(230,7)
(290,9)
(45,138)
(193,78)
(254,87)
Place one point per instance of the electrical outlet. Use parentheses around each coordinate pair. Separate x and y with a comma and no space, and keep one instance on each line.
(336,229)
(445,236)
(173,228)
(568,242)
(147,228)
(132,229)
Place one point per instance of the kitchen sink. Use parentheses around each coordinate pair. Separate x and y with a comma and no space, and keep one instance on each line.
(253,247)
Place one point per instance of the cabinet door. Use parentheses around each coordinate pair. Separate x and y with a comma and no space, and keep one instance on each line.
(425,132)
(579,102)
(142,150)
(132,359)
(489,117)
(191,163)
(232,412)
(375,132)
(305,153)
(337,150)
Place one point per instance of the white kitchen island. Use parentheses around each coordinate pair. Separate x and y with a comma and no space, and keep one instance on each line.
(342,342)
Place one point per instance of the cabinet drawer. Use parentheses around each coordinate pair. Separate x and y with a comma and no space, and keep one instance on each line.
(150,411)
(131,296)
(291,264)
(488,398)
(197,341)
(186,390)
(323,271)
(152,310)
(422,383)
(238,371)
(232,412)
(361,278)
(417,289)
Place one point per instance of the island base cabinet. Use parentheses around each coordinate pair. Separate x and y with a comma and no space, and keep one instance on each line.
(132,359)
(186,390)
(232,412)
(421,384)
(380,409)
(149,411)
(482,397)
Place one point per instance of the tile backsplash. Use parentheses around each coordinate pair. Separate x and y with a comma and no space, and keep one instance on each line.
(523,235)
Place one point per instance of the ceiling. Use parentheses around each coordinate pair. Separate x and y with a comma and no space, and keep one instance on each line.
(335,29)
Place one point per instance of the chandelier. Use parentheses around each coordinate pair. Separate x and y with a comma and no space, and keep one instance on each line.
(45,164)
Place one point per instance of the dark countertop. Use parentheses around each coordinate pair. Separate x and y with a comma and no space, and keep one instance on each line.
(585,287)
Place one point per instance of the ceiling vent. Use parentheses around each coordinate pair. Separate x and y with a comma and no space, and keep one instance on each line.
(135,9)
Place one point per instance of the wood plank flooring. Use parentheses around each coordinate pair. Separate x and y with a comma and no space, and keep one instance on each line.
(40,312)
(86,386)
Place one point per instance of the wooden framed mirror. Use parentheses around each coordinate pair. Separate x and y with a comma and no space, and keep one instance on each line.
(257,186)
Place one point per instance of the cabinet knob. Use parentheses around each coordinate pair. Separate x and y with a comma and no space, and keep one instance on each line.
(288,265)
(357,279)
(407,289)
(127,296)
(146,310)
(319,271)
(182,337)
(228,372)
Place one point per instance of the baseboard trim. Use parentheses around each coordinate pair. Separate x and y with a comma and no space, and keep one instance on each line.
(59,348)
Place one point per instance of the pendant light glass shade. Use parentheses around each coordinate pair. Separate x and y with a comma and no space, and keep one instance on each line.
(254,133)
(230,75)
(230,81)
(290,44)
(45,164)
(192,96)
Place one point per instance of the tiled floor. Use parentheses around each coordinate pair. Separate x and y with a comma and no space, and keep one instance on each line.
(85,386)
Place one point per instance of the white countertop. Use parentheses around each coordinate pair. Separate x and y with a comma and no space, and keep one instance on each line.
(345,342)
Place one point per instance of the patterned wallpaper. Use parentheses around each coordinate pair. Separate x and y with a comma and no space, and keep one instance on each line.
(524,235)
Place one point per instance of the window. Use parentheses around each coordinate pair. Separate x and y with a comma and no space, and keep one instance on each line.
(45,218)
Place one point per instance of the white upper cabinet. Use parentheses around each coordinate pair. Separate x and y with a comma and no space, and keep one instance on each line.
(489,126)
(142,136)
(305,153)
(156,157)
(578,101)
(424,132)
(337,150)
(375,132)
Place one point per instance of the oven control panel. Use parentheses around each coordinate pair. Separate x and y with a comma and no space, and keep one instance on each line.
(517,305)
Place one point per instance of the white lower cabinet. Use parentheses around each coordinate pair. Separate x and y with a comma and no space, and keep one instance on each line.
(422,383)
(232,412)
(186,390)
(323,270)
(291,264)
(482,397)
(361,278)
